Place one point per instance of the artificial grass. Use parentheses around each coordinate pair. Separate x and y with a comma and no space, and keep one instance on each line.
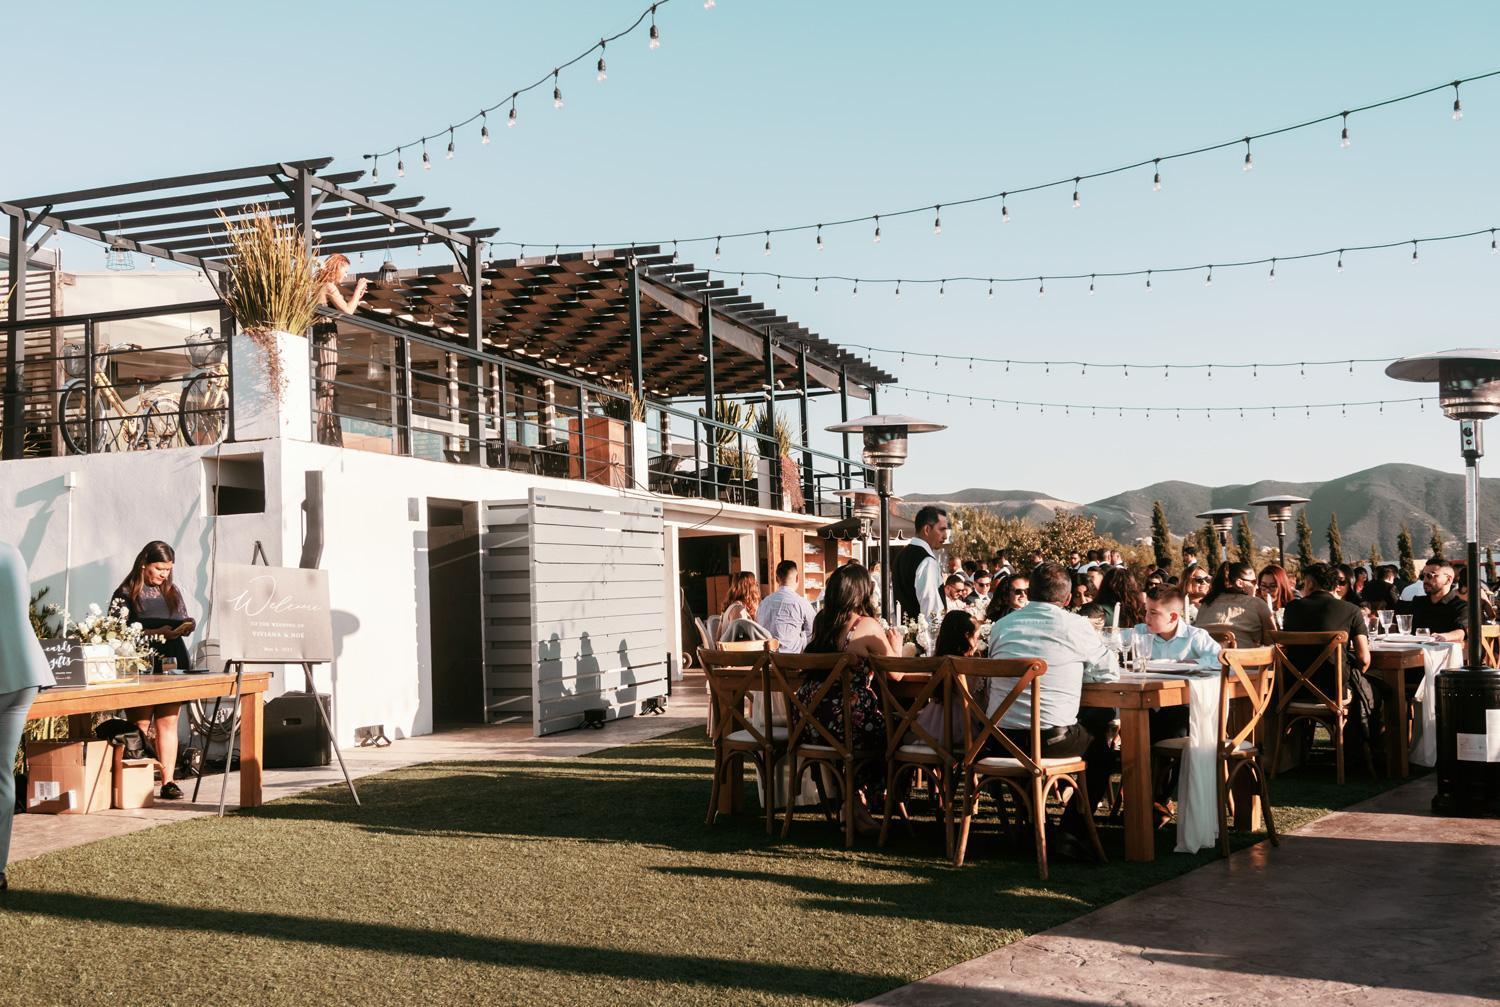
(587,882)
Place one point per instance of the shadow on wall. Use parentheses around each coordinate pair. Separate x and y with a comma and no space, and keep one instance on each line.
(586,666)
(549,660)
(47,497)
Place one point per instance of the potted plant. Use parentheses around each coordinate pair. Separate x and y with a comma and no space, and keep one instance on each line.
(780,434)
(271,290)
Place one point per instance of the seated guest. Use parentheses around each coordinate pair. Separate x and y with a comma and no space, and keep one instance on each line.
(981,593)
(1014,593)
(785,613)
(1068,643)
(1097,615)
(955,591)
(1344,574)
(1121,588)
(1001,566)
(1230,601)
(1357,585)
(1439,608)
(1083,592)
(1172,639)
(741,602)
(1320,611)
(1274,587)
(1156,576)
(1380,592)
(1195,584)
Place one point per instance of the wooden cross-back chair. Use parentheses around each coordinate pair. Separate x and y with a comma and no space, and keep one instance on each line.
(734,677)
(1253,669)
(811,744)
(1299,698)
(1025,772)
(908,686)
(1222,633)
(1489,644)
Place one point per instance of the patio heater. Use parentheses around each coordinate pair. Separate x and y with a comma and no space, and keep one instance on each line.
(1468,699)
(884,450)
(1222,519)
(865,508)
(1279,510)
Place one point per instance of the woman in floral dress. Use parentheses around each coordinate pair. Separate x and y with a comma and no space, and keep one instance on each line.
(847,623)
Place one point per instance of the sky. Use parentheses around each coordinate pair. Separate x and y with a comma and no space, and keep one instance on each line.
(769,113)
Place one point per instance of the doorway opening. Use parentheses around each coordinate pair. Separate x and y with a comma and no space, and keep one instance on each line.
(456,613)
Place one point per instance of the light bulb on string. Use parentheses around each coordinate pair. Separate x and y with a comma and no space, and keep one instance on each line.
(1076,201)
(820,237)
(400,164)
(991,295)
(1272,274)
(1148,290)
(855,291)
(655,42)
(601,75)
(709,4)
(1458,106)
(484,128)
(816,282)
(510,120)
(426,161)
(1004,210)
(557,99)
(768,244)
(877,229)
(1493,247)
(942,288)
(1344,133)
(554,261)
(778,282)
(449,154)
(1091,283)
(898,288)
(1414,251)
(937,220)
(717,252)
(375,170)
(675,256)
(1340,262)
(1156,176)
(1041,288)
(1249,158)
(1208,280)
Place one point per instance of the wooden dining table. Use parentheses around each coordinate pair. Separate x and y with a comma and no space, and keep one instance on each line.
(151,690)
(1135,698)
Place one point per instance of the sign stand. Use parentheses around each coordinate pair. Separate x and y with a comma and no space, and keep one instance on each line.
(234,722)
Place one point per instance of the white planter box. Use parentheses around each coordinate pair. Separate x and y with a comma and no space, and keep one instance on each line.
(259,412)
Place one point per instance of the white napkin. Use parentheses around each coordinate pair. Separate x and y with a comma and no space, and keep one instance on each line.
(1197,791)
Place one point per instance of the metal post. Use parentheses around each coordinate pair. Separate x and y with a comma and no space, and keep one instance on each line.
(883,487)
(846,506)
(403,390)
(637,364)
(227,331)
(710,456)
(1281,543)
(500,412)
(15,345)
(302,206)
(1472,441)
(874,400)
(474,370)
(808,488)
(768,349)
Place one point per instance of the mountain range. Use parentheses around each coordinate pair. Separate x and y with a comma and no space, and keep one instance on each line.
(1371,506)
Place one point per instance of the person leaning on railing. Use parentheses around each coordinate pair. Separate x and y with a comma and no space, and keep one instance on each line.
(23,670)
(325,333)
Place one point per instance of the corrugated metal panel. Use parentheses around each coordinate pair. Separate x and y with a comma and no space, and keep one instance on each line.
(575,621)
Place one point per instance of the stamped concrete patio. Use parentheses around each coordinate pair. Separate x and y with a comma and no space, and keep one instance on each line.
(1379,904)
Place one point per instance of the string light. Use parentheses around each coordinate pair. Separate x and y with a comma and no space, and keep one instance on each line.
(557,99)
(1272,274)
(602,75)
(484,129)
(1249,158)
(426,161)
(1076,202)
(450,152)
(1091,283)
(1208,281)
(717,252)
(820,237)
(1004,210)
(898,288)
(1156,178)
(1205,411)
(877,229)
(1414,251)
(375,171)
(655,42)
(1344,133)
(1124,365)
(1122,165)
(400,166)
(1458,106)
(510,120)
(937,220)
(768,243)
(1341,260)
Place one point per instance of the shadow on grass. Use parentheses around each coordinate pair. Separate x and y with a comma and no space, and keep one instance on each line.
(614,963)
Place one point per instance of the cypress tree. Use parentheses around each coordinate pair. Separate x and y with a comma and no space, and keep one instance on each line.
(1212,554)
(1335,540)
(1244,540)
(1436,541)
(1161,536)
(1407,560)
(1374,558)
(1305,555)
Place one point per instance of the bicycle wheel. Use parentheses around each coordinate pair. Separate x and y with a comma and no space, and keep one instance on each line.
(72,417)
(200,416)
(158,423)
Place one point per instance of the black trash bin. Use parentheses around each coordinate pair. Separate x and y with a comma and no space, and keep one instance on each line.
(294,738)
(1468,718)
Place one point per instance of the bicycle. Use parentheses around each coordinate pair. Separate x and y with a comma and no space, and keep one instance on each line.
(152,423)
(204,404)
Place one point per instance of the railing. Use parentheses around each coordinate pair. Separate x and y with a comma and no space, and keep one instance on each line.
(161,377)
(133,380)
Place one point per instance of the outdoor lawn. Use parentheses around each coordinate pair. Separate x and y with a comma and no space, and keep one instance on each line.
(592,881)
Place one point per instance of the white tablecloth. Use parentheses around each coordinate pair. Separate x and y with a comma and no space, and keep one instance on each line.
(1435,657)
(1197,792)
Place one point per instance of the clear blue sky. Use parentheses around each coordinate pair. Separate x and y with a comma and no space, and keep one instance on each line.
(772,112)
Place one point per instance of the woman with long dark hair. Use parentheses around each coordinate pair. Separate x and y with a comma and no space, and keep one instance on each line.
(846,623)
(1014,592)
(1231,602)
(151,599)
(741,602)
(1121,588)
(1274,587)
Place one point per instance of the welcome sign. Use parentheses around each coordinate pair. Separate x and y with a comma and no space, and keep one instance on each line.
(272,614)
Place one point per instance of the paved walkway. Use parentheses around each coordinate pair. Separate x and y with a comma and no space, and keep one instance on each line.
(1379,904)
(34,835)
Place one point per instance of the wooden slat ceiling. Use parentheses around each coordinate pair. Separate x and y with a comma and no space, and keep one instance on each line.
(572,311)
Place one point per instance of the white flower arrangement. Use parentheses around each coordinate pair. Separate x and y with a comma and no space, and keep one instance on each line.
(134,649)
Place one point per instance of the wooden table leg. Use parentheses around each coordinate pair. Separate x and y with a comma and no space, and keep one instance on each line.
(252,737)
(1135,780)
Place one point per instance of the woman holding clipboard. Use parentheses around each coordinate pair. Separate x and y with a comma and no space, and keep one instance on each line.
(151,599)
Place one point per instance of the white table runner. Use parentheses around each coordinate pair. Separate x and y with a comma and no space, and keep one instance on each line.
(1435,657)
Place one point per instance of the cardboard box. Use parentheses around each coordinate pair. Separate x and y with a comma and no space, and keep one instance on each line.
(135,783)
(69,777)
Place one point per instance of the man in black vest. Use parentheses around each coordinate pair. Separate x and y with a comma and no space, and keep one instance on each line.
(917,583)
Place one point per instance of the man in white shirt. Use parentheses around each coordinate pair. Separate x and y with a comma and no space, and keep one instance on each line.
(1069,644)
(916,579)
(784,613)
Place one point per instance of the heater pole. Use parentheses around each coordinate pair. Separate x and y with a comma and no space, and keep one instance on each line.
(883,487)
(1472,443)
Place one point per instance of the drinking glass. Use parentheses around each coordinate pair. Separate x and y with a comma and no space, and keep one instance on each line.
(169,666)
(1403,623)
(1384,617)
(1140,649)
(1114,641)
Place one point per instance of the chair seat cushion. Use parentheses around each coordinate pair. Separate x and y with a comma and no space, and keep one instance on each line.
(1306,708)
(1007,765)
(744,737)
(1178,745)
(917,750)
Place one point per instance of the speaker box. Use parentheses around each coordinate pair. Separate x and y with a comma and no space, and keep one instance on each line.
(294,739)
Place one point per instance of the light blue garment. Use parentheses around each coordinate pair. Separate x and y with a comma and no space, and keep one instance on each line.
(13,707)
(788,617)
(1189,643)
(22,663)
(1067,642)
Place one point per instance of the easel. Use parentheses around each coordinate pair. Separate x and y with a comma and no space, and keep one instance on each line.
(259,555)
